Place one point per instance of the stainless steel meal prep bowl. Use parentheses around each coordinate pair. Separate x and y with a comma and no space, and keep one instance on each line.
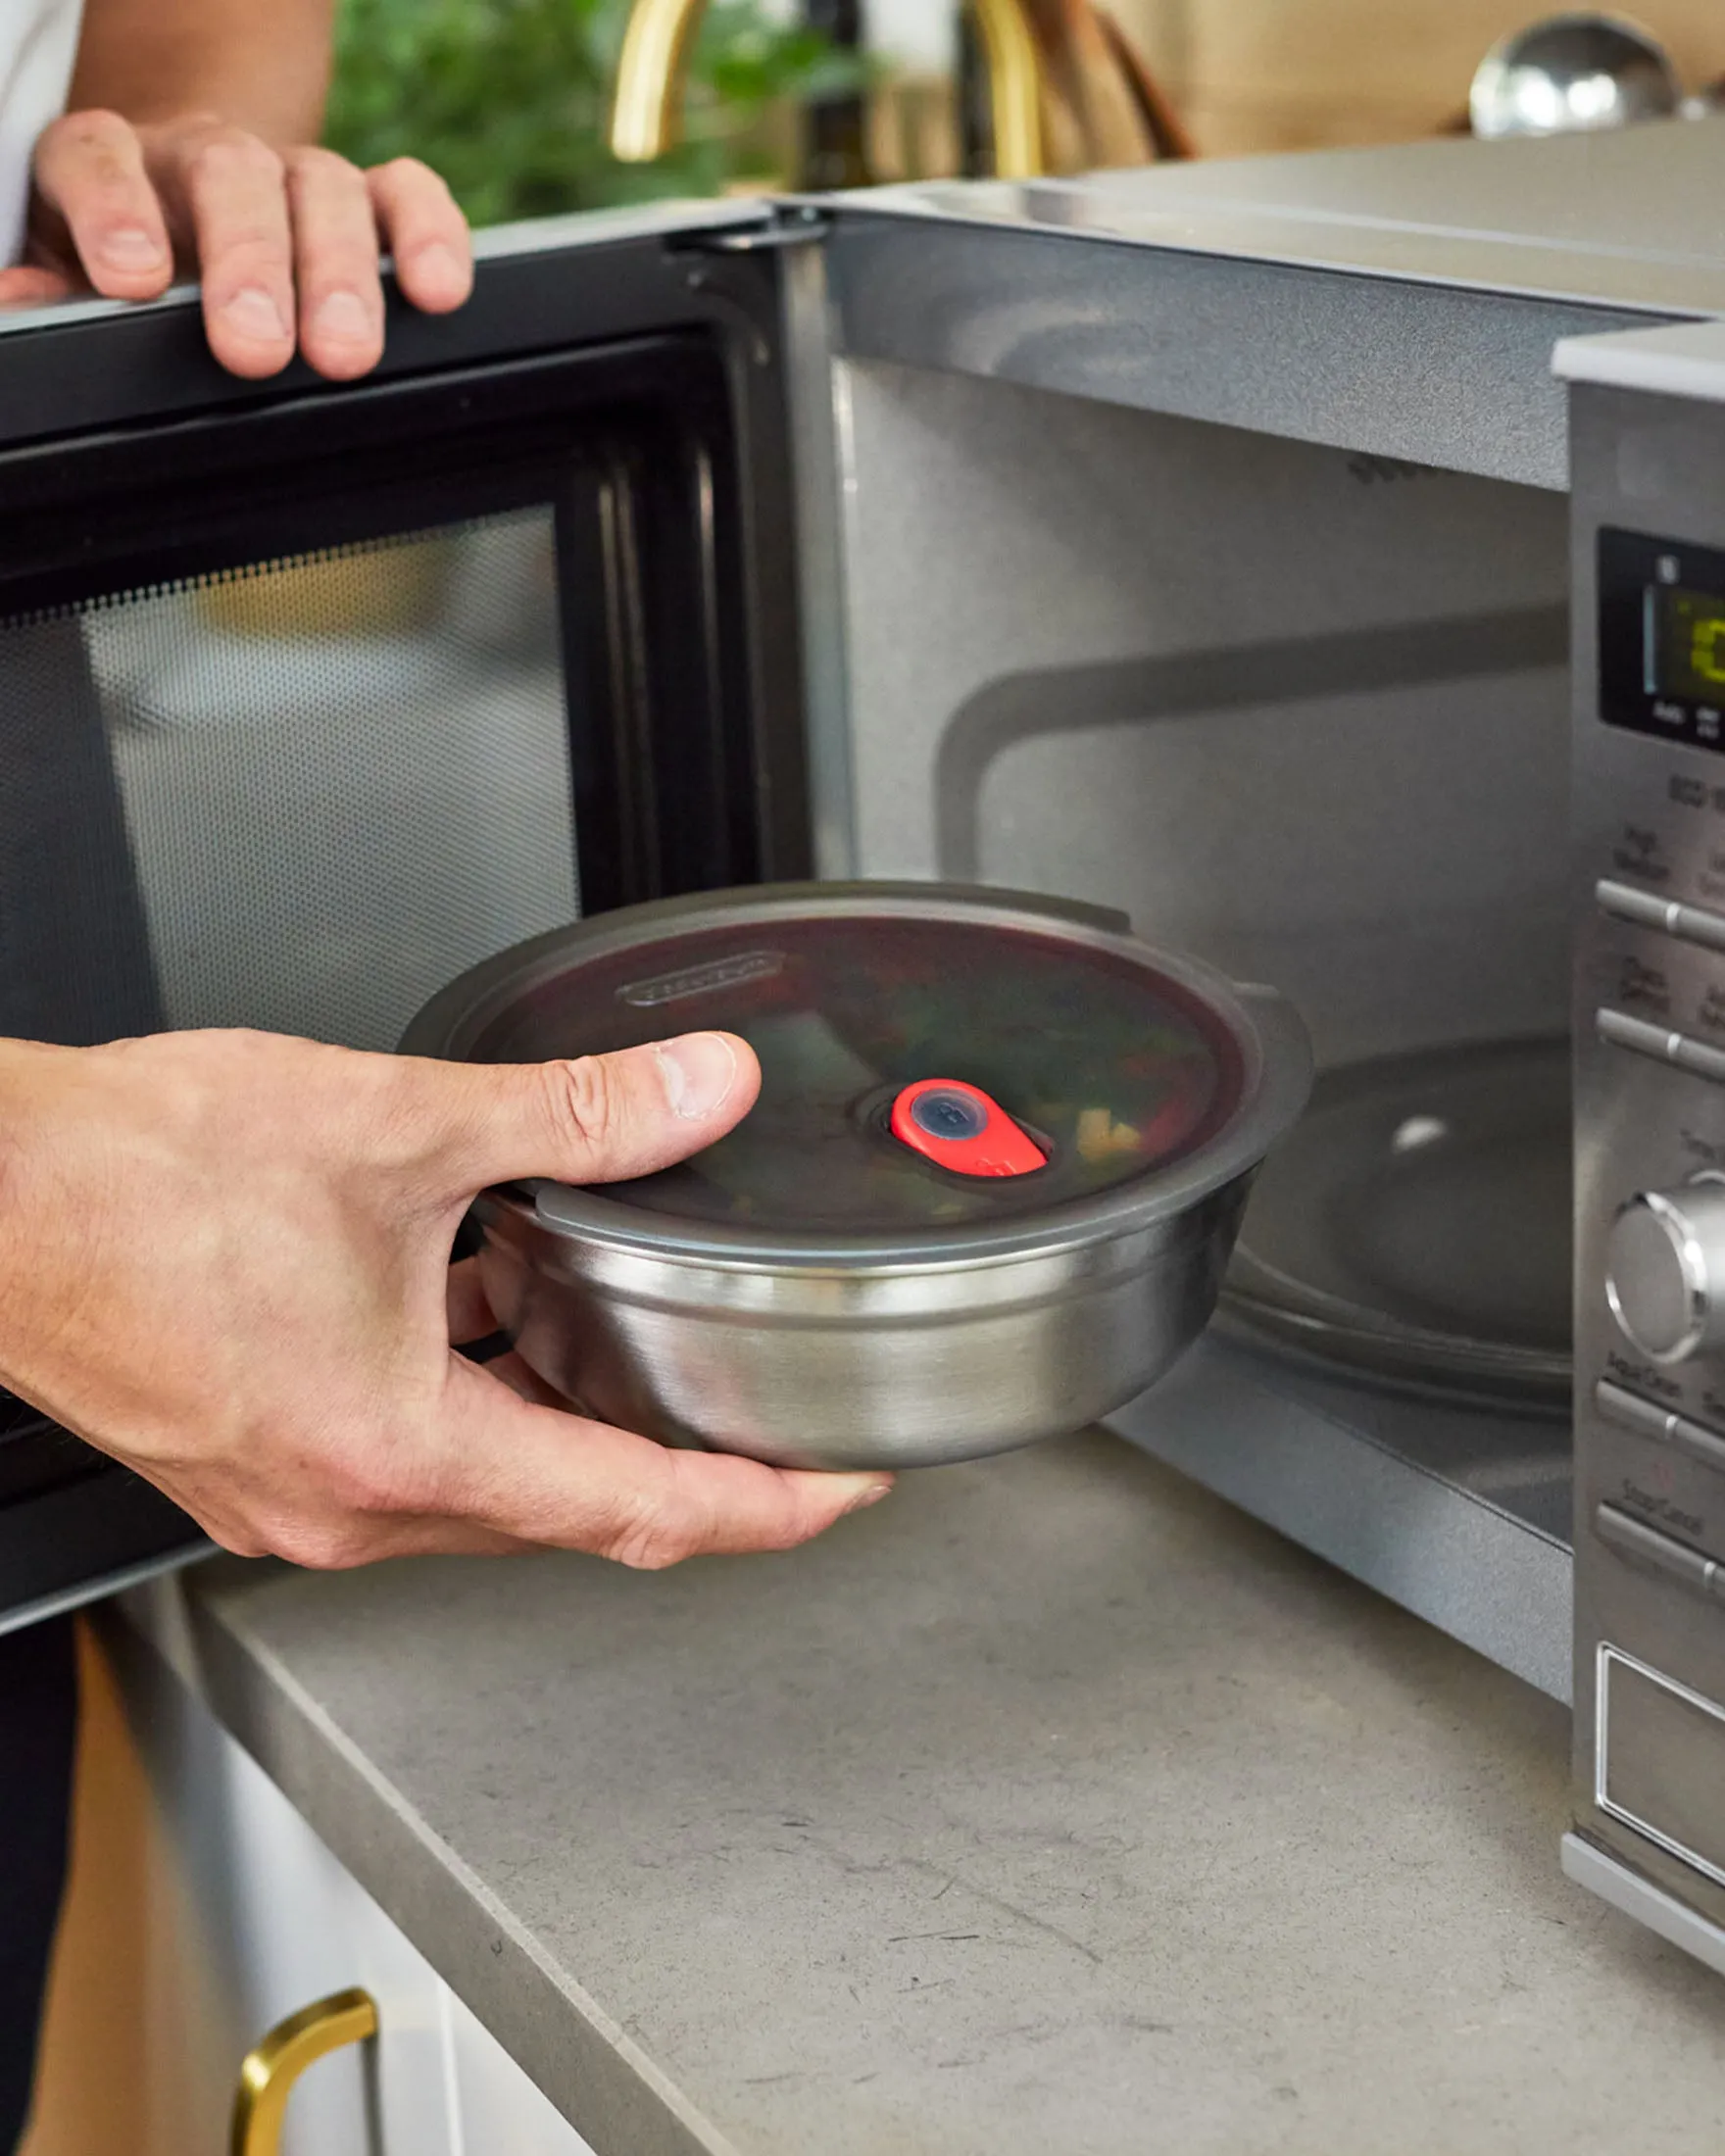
(733,1305)
(855,1364)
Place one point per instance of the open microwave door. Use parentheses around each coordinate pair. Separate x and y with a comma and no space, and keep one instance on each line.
(313,696)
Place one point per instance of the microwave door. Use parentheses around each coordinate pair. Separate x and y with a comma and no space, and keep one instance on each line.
(311,697)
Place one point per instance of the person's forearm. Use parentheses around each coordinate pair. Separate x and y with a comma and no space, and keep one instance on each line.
(261,67)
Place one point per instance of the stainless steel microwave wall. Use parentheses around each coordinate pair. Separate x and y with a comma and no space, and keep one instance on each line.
(1194,543)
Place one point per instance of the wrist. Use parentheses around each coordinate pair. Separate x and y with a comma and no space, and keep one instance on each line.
(40,1092)
(34,1101)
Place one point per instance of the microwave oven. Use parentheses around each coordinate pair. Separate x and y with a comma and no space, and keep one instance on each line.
(1219,544)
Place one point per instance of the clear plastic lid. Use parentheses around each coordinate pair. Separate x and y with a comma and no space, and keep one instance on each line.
(885,1039)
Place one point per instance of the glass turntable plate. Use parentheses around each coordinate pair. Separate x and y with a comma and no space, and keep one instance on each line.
(1416,1226)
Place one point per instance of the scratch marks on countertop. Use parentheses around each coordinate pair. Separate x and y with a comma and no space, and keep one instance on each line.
(813,1842)
(1007,1908)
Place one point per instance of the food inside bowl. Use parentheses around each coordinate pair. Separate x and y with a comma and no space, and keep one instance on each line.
(1119,1075)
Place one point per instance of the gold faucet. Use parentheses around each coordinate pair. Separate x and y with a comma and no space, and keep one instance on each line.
(656,47)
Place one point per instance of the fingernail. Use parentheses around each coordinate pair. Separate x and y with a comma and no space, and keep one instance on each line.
(699,1072)
(344,315)
(253,312)
(865,1497)
(440,262)
(130,247)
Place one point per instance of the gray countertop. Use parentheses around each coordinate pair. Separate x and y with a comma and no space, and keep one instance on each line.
(1051,1809)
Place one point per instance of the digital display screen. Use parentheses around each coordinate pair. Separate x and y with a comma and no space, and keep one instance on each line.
(1686,647)
(1662,638)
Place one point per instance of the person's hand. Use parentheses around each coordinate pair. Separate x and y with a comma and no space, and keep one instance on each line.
(224,1260)
(286,244)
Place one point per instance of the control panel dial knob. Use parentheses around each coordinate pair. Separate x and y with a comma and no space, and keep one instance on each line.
(1665,1271)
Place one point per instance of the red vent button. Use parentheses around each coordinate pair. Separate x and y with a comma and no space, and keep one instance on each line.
(958,1127)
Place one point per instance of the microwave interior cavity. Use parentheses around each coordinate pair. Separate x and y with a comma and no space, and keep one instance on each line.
(1305,712)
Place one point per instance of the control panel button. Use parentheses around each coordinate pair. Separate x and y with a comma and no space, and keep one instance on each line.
(1646,1546)
(1645,911)
(1699,1442)
(1648,1419)
(1697,1056)
(1629,1411)
(1688,923)
(1665,1271)
(1695,926)
(1624,903)
(1662,1044)
(1636,1035)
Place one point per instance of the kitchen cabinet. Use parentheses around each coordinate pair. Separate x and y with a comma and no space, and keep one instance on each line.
(251,1918)
(498,2112)
(287,1926)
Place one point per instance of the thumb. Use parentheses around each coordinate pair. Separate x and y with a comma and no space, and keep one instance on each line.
(594,1119)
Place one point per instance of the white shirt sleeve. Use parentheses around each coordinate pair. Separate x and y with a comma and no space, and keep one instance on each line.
(39,44)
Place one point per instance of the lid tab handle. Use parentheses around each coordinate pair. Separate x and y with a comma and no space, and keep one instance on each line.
(958,1127)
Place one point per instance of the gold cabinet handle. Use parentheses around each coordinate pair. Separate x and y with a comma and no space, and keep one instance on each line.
(656,50)
(267,2079)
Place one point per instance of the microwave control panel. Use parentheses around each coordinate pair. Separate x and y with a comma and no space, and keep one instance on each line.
(1650,1026)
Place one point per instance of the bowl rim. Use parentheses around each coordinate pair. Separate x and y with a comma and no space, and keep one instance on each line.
(1274,1048)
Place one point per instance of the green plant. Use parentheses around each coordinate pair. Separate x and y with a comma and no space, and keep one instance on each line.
(510,99)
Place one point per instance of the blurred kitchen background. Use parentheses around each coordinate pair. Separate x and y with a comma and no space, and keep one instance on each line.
(1254,76)
(512,98)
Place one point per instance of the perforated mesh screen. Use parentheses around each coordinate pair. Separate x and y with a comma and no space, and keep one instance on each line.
(302,796)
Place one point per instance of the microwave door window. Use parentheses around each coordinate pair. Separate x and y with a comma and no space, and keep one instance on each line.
(76,964)
(331,782)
